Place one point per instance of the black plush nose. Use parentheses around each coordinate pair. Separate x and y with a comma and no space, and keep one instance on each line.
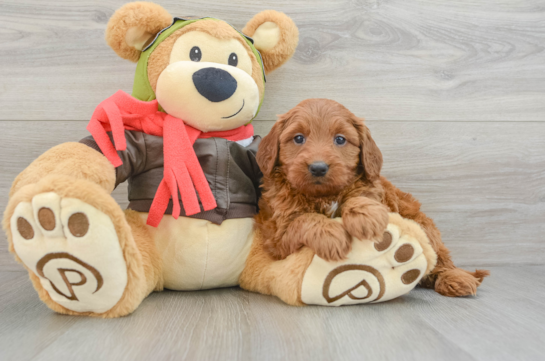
(214,84)
(318,169)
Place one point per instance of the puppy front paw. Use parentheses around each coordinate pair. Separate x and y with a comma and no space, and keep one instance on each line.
(365,220)
(333,243)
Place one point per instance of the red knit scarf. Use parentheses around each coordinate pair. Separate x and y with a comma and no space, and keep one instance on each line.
(182,171)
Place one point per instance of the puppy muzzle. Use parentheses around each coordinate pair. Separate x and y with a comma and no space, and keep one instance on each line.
(318,169)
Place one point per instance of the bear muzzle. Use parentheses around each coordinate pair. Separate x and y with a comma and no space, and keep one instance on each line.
(214,84)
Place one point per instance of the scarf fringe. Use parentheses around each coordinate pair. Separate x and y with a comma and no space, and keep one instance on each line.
(183,173)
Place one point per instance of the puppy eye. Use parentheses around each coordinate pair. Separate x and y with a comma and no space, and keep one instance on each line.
(233,59)
(195,54)
(299,139)
(340,140)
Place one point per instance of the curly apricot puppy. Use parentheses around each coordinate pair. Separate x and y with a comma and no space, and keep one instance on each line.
(320,162)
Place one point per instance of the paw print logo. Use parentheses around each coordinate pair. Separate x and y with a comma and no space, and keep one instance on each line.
(351,292)
(73,249)
(52,257)
(372,272)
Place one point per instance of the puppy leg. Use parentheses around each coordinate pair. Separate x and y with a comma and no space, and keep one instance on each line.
(445,278)
(323,235)
(365,218)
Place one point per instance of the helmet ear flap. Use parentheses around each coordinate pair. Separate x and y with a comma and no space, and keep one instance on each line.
(135,25)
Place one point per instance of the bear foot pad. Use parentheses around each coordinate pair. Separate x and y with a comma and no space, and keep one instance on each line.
(73,249)
(372,272)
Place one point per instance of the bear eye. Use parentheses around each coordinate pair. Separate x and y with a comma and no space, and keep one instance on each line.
(195,54)
(299,139)
(340,140)
(233,59)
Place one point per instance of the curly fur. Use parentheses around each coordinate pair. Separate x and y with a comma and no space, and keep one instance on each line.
(296,208)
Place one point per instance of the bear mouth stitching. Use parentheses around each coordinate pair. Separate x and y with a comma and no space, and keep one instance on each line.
(230,116)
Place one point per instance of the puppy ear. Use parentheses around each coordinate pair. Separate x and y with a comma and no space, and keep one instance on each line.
(275,36)
(267,153)
(133,26)
(371,156)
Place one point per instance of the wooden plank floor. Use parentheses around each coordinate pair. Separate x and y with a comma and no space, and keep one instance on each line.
(505,321)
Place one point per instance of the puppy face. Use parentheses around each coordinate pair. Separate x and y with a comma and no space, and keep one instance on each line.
(320,147)
(319,151)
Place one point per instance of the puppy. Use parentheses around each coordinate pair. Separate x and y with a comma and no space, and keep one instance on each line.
(319,162)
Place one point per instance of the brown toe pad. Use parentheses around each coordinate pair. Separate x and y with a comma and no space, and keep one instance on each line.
(78,224)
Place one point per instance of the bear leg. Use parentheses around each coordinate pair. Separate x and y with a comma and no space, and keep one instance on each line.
(83,254)
(372,272)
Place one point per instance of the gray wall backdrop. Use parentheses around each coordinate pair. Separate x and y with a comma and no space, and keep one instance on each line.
(453,92)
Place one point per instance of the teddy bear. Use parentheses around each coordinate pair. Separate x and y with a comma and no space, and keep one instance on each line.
(185,143)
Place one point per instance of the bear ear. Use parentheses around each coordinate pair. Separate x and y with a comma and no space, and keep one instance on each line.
(275,36)
(133,26)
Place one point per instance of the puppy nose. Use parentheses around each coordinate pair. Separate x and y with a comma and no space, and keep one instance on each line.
(214,84)
(318,169)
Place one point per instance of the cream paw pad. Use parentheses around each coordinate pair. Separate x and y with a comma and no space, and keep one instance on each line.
(74,250)
(373,271)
